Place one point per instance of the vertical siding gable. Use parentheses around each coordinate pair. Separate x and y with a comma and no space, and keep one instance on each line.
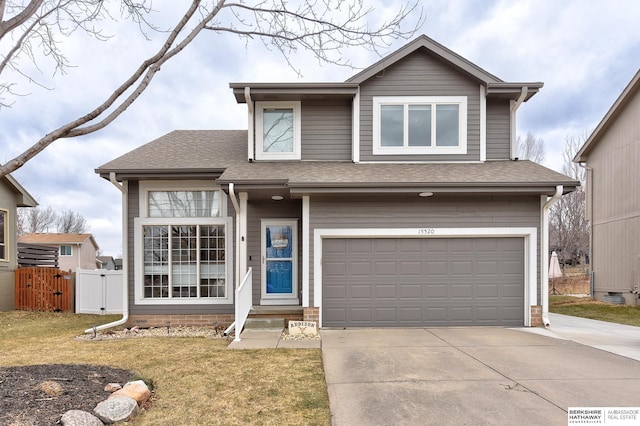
(326,130)
(420,74)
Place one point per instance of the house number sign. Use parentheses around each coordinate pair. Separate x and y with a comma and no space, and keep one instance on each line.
(426,231)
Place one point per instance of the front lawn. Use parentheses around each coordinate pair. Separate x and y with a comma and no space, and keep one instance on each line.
(197,381)
(589,308)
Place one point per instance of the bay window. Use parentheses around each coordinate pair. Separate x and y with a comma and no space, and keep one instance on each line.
(181,247)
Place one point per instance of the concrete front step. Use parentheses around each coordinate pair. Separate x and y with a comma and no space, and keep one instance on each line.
(264,324)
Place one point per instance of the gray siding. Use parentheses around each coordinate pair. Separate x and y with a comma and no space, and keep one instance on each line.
(133,212)
(326,130)
(615,204)
(498,130)
(420,74)
(268,209)
(436,212)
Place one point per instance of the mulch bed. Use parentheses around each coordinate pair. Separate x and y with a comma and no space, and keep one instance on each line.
(40,394)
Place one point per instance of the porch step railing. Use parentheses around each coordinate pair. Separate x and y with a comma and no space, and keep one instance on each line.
(243,303)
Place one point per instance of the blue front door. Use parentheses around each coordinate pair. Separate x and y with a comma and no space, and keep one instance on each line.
(279,262)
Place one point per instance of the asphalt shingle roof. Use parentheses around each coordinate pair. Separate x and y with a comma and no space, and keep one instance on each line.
(226,151)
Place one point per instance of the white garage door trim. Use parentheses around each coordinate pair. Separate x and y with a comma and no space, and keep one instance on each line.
(528,233)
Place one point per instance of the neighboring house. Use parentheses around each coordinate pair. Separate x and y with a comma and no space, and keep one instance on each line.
(12,196)
(391,199)
(105,262)
(611,156)
(75,251)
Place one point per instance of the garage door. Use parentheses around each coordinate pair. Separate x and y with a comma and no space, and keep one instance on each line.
(378,282)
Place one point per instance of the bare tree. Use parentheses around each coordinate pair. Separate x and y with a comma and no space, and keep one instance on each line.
(531,148)
(70,222)
(36,219)
(569,227)
(34,29)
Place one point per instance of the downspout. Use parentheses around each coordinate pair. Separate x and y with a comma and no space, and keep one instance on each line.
(125,262)
(589,214)
(236,207)
(544,267)
(247,98)
(514,108)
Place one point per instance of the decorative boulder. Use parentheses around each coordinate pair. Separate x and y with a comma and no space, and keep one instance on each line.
(79,418)
(116,409)
(137,390)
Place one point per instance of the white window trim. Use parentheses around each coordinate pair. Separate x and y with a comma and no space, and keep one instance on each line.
(223,218)
(378,101)
(279,299)
(183,185)
(66,245)
(259,114)
(139,261)
(5,258)
(530,235)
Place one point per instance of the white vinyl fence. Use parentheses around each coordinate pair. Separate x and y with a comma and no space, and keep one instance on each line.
(99,291)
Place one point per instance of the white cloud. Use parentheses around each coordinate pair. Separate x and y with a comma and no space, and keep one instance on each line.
(584,52)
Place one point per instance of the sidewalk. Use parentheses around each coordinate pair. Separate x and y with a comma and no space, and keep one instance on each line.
(271,339)
(615,338)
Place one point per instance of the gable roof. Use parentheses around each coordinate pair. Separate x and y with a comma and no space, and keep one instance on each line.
(221,155)
(295,91)
(24,199)
(618,106)
(57,239)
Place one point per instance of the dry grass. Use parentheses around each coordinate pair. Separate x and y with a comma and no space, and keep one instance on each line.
(197,381)
(575,281)
(588,308)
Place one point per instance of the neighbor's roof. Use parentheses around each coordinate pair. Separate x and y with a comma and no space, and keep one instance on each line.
(222,155)
(289,91)
(24,199)
(56,239)
(618,106)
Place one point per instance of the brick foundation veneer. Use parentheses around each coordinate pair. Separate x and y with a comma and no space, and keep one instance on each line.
(536,316)
(146,321)
(311,314)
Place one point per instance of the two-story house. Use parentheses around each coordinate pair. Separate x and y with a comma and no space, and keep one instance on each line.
(75,251)
(391,199)
(611,157)
(12,196)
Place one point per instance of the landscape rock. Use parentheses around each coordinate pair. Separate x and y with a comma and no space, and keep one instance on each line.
(116,409)
(112,387)
(79,418)
(137,390)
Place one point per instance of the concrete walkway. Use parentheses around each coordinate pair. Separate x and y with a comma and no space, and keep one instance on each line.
(615,338)
(270,339)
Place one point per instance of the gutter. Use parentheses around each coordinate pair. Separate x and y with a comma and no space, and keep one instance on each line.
(544,267)
(125,263)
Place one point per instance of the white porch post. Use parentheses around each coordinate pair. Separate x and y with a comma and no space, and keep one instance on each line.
(305,251)
(242,254)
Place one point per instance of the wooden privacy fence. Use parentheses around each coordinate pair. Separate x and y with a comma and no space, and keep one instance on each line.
(43,289)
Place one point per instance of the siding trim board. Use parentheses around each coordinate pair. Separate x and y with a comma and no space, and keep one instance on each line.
(528,233)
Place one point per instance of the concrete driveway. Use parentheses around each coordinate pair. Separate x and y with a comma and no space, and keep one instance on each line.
(468,376)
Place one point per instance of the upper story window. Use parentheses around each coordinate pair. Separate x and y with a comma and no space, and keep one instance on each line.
(66,251)
(278,130)
(420,125)
(4,225)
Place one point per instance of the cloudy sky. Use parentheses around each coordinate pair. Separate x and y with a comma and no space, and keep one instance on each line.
(584,51)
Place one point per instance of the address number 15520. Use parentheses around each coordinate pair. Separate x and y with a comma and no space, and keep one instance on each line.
(426,231)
